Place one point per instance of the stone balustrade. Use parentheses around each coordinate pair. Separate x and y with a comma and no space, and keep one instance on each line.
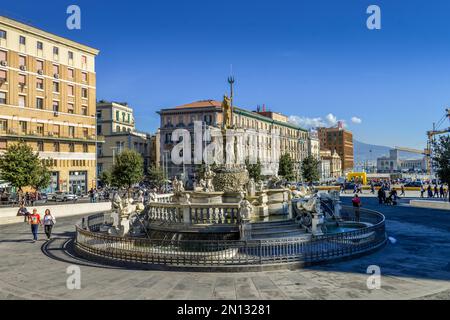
(194,213)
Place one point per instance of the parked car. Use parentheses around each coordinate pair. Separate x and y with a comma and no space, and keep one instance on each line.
(415,184)
(64,196)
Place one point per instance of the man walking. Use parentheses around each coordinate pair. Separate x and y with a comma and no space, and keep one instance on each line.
(34,220)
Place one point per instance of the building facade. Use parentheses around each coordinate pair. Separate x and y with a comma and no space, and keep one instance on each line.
(340,140)
(314,144)
(334,162)
(393,164)
(116,123)
(47,99)
(293,139)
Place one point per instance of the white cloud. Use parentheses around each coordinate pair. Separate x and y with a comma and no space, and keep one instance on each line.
(356,120)
(330,120)
(307,123)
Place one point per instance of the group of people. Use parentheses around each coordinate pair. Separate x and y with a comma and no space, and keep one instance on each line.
(35,221)
(386,196)
(436,192)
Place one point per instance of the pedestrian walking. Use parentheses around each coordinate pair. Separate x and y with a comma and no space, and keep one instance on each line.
(430,191)
(422,191)
(441,191)
(34,220)
(356,201)
(403,190)
(49,222)
(436,192)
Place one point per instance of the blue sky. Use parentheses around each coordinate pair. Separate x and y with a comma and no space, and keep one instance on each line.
(304,58)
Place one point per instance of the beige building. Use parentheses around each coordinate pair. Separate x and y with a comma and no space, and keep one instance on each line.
(115,121)
(334,162)
(47,99)
(293,139)
(314,144)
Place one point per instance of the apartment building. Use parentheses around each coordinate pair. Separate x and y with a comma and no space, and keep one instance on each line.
(47,99)
(293,139)
(116,123)
(341,140)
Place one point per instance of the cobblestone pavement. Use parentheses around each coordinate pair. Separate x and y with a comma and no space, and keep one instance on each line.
(417,266)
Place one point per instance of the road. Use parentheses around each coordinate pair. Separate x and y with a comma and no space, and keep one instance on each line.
(417,266)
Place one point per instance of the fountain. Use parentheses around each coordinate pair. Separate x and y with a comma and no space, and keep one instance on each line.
(230,219)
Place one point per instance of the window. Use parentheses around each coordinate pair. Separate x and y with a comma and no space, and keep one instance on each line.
(39,103)
(22,79)
(3,125)
(117,115)
(55,51)
(56,131)
(70,53)
(2,76)
(123,116)
(99,114)
(40,146)
(39,45)
(2,34)
(3,55)
(22,40)
(85,132)
(71,147)
(40,129)
(56,146)
(55,69)
(99,129)
(83,60)
(39,65)
(22,61)
(71,131)
(56,87)
(129,118)
(55,106)
(3,144)
(71,74)
(84,93)
(70,90)
(70,108)
(2,97)
(85,148)
(39,83)
(84,76)
(23,127)
(84,110)
(117,128)
(22,101)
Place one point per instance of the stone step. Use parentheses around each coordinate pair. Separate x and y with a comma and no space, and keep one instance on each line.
(269,224)
(273,229)
(279,235)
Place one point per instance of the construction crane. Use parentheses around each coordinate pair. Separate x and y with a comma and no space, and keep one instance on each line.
(430,135)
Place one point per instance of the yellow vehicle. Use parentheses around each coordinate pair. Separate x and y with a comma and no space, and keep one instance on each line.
(357,177)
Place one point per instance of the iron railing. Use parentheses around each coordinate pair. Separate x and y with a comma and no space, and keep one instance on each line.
(206,253)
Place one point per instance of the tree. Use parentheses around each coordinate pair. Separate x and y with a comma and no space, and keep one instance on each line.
(254,170)
(310,169)
(155,176)
(105,178)
(128,169)
(21,167)
(42,177)
(441,159)
(286,167)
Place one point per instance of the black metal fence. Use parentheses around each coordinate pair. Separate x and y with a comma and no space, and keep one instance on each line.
(188,253)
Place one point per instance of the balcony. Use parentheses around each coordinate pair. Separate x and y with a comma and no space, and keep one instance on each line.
(15,134)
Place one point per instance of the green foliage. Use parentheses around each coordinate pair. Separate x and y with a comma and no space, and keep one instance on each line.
(254,170)
(286,167)
(21,167)
(128,169)
(441,158)
(155,176)
(105,178)
(42,177)
(310,169)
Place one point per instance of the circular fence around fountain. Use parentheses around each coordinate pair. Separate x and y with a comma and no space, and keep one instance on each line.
(235,255)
